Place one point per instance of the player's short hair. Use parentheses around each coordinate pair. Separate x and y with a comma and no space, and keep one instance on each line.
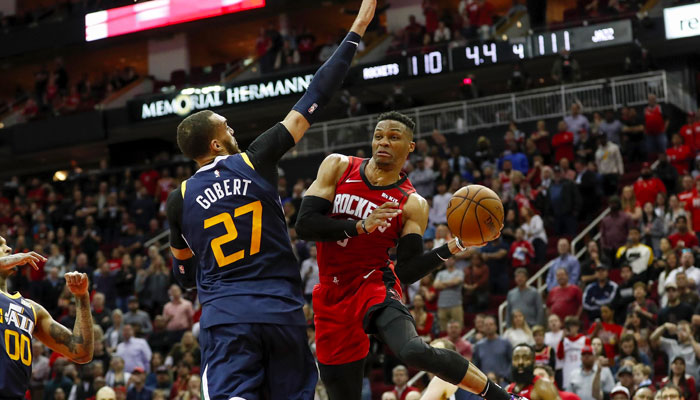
(398,117)
(194,134)
(546,368)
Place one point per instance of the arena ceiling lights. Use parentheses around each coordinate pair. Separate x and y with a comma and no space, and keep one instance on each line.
(158,13)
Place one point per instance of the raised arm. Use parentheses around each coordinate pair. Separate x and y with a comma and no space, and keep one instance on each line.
(78,345)
(330,76)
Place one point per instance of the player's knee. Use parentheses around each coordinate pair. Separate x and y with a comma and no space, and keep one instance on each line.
(415,353)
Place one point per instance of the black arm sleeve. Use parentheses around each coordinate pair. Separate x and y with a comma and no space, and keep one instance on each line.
(314,224)
(267,149)
(184,271)
(412,264)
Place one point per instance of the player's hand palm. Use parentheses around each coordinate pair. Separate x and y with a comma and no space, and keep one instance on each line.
(381,215)
(77,283)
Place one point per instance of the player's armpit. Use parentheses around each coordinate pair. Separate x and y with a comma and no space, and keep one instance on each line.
(77,345)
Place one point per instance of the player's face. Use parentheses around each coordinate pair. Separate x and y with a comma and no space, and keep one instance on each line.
(6,250)
(224,135)
(391,143)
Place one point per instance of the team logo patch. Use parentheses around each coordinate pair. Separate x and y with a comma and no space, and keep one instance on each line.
(181,268)
(217,173)
(313,108)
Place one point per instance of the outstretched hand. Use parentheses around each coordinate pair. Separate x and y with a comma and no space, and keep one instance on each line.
(364,16)
(31,258)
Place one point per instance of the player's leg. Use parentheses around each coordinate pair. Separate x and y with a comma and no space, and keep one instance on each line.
(290,369)
(397,329)
(232,362)
(344,381)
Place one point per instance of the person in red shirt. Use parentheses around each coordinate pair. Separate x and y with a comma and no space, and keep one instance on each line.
(694,207)
(679,155)
(655,126)
(399,376)
(647,186)
(564,299)
(607,330)
(431,16)
(521,251)
(454,335)
(424,320)
(563,143)
(688,133)
(683,238)
(688,191)
(149,178)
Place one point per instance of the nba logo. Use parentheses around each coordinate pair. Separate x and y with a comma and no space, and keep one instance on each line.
(217,173)
(313,108)
(182,269)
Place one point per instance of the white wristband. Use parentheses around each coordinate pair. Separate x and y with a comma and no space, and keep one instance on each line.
(459,244)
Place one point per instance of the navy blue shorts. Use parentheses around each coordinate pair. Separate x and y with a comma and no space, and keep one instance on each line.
(257,361)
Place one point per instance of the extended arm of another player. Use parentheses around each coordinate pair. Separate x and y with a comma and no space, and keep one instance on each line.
(545,390)
(78,345)
(329,77)
(411,262)
(438,390)
(184,262)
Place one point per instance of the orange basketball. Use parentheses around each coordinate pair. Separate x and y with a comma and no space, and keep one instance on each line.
(475,215)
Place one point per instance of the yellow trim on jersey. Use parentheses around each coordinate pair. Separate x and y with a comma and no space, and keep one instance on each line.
(181,254)
(183,187)
(247,160)
(33,311)
(12,296)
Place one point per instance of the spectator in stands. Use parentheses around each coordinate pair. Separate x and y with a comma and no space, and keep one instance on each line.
(599,293)
(655,126)
(679,155)
(592,373)
(691,137)
(675,209)
(476,284)
(566,69)
(438,210)
(454,335)
(442,33)
(667,173)
(642,307)
(116,375)
(399,376)
(138,390)
(543,141)
(565,260)
(570,349)
(683,238)
(628,347)
(135,352)
(423,178)
(630,205)
(653,228)
(564,204)
(685,346)
(565,299)
(647,186)
(611,127)
(686,196)
(692,273)
(625,380)
(526,299)
(521,252)
(609,163)
(327,49)
(309,273)
(563,143)
(138,317)
(449,282)
(519,331)
(678,377)
(178,314)
(614,228)
(633,129)
(413,33)
(424,320)
(587,183)
(533,227)
(606,329)
(495,255)
(635,254)
(544,354)
(675,310)
(576,122)
(493,353)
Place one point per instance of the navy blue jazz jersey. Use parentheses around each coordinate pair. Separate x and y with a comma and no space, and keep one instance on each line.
(17,319)
(233,222)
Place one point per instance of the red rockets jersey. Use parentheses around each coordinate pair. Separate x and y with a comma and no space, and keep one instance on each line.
(355,199)
(525,392)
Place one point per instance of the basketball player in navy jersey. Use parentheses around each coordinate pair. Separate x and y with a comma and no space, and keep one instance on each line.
(22,319)
(229,239)
(357,210)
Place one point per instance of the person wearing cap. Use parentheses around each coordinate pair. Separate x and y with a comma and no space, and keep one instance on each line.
(679,155)
(677,376)
(620,392)
(647,186)
(675,309)
(138,317)
(637,255)
(163,381)
(625,378)
(593,379)
(684,345)
(599,293)
(138,389)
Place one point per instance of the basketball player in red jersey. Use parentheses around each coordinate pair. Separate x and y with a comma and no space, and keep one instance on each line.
(357,210)
(525,383)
